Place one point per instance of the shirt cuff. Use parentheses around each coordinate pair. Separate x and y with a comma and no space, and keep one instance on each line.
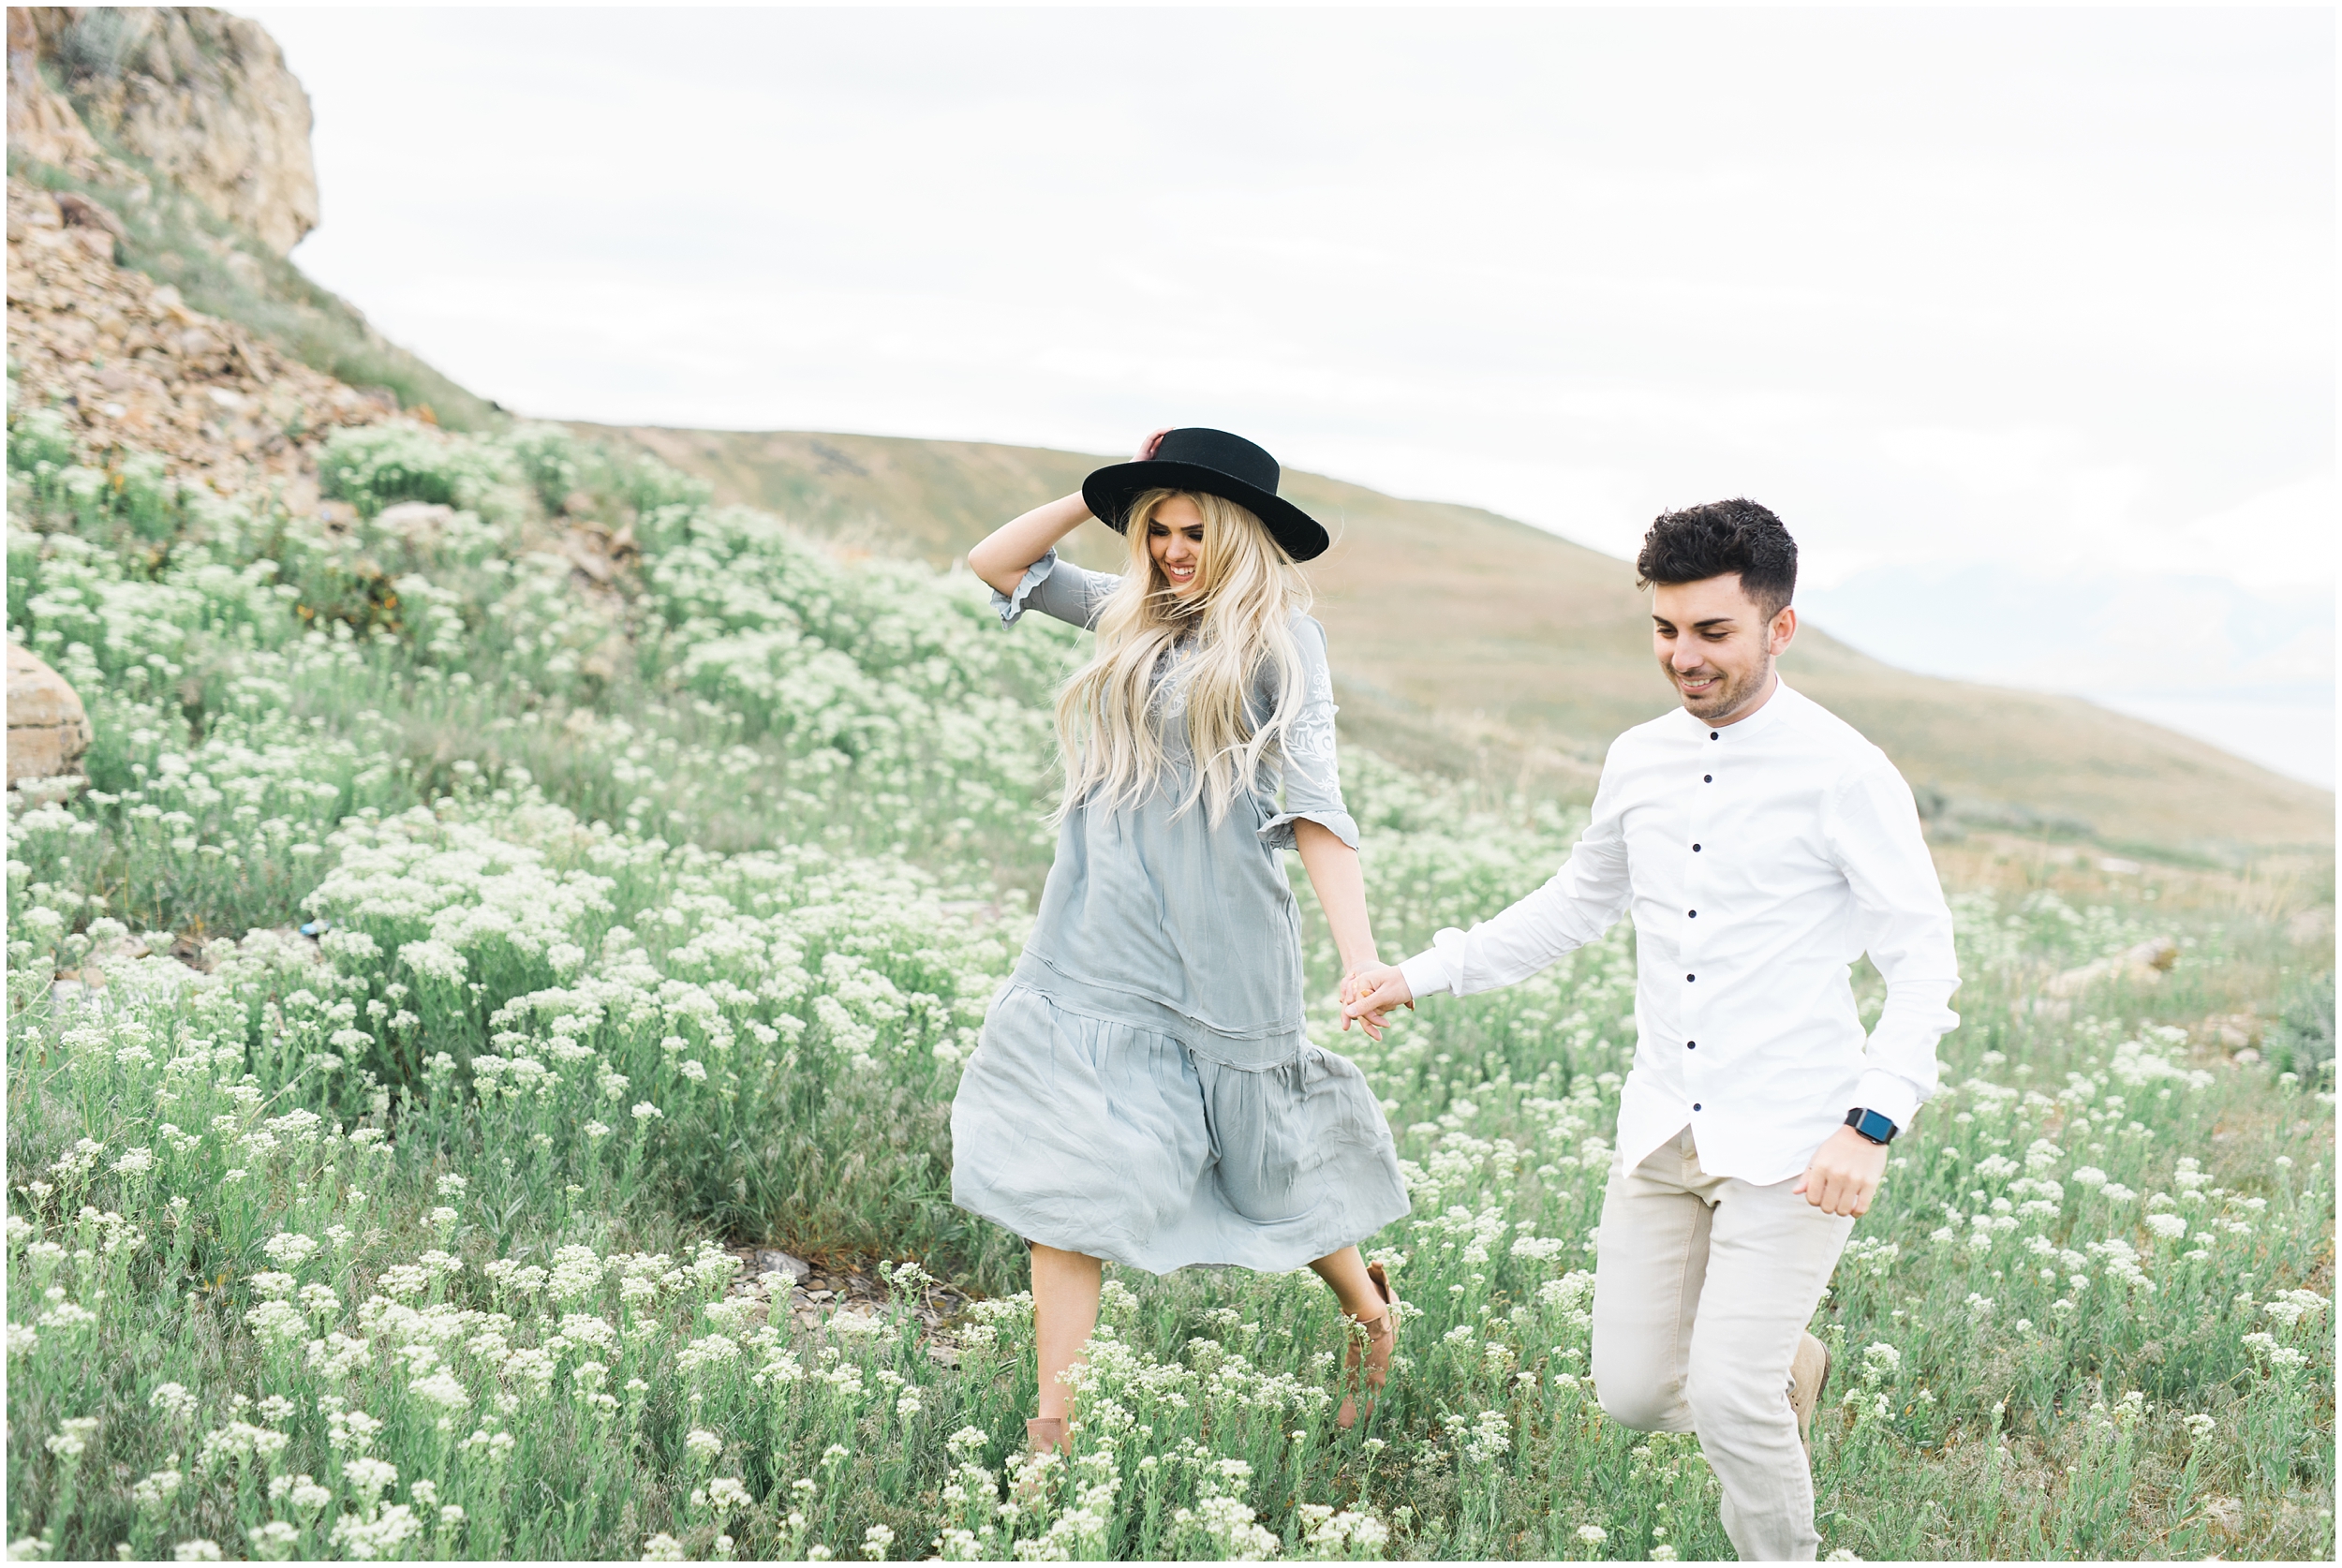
(1012,606)
(1426,973)
(1889,1094)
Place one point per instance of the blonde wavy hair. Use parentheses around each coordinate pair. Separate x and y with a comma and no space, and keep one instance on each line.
(1110,714)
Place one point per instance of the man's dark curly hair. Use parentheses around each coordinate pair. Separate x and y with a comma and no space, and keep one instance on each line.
(1737,536)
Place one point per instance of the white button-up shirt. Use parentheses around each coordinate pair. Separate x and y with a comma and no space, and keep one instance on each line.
(1759,859)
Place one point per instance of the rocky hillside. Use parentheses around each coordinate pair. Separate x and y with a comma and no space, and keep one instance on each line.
(189,141)
(132,369)
(1468,641)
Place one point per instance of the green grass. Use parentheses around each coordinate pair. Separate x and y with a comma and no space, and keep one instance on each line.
(665,915)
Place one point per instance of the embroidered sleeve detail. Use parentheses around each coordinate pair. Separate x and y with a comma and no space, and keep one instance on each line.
(1311,766)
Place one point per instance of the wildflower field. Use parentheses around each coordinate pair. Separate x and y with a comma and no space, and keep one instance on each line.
(454,948)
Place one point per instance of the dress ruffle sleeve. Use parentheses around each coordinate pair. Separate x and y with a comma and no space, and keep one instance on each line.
(1313,773)
(1058,589)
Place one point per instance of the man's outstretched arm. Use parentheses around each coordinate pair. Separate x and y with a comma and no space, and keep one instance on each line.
(1577,905)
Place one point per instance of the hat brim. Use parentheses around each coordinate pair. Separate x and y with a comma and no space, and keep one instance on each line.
(1110,491)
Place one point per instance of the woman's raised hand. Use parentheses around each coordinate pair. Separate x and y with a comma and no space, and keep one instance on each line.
(1001,558)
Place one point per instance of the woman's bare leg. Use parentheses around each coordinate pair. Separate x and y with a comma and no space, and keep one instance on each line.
(1345,1271)
(1367,1367)
(1064,1312)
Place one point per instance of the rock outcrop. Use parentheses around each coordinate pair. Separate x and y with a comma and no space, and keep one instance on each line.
(201,97)
(48,727)
(2143,964)
(42,123)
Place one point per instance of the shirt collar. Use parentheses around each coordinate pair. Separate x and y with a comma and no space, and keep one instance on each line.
(1754,724)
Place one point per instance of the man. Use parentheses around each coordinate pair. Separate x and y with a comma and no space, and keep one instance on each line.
(1761,845)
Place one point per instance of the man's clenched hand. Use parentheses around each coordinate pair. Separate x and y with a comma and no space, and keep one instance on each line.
(1844,1177)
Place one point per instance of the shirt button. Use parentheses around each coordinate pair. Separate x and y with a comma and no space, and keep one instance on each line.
(1690,977)
(1712,734)
(1694,1105)
(1691,1045)
(1695,848)
(1695,914)
(1707,778)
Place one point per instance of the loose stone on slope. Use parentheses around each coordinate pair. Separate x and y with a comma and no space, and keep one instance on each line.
(48,728)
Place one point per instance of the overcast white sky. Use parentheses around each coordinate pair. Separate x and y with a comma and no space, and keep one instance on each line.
(2024,320)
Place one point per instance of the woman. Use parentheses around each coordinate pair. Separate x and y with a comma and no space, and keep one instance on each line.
(1142,1090)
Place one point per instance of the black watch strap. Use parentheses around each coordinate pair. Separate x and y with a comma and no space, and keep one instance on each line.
(1870,1125)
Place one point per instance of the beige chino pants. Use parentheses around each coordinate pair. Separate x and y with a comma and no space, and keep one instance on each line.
(1702,1286)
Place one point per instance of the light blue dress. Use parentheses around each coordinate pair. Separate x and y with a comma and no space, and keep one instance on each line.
(1142,1090)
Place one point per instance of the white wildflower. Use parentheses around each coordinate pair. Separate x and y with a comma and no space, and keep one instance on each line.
(172,1399)
(154,1491)
(368,1476)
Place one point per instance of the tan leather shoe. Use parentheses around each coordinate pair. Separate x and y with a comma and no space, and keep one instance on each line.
(1809,1370)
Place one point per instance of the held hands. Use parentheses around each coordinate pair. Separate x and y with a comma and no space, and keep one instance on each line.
(1369,994)
(1844,1175)
(1843,1179)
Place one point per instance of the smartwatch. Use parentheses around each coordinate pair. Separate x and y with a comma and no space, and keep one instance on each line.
(1872,1126)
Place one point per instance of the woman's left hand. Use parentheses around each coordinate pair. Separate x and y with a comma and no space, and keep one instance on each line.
(1352,989)
(1359,989)
(1333,868)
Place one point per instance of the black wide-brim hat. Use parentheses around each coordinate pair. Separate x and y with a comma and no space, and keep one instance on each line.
(1217,464)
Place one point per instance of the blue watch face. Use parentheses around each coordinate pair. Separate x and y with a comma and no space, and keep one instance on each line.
(1875,1127)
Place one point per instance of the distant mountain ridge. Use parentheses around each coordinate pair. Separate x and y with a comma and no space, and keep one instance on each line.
(1466,641)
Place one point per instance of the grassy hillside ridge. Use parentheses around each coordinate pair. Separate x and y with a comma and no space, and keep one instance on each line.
(1466,639)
